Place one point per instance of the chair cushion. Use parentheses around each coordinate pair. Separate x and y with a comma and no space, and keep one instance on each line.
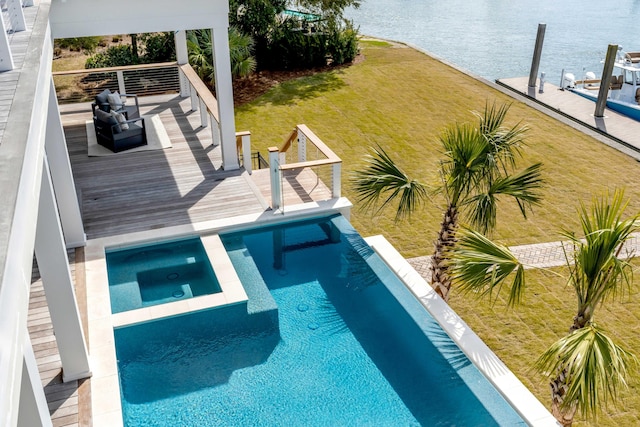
(115,102)
(121,119)
(103,116)
(103,97)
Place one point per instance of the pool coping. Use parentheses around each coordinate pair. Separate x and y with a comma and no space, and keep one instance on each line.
(532,411)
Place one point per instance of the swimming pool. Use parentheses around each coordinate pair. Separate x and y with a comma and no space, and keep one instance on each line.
(329,336)
(159,273)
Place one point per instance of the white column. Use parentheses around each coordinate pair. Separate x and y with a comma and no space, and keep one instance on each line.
(204,115)
(224,92)
(6,60)
(62,176)
(53,265)
(33,410)
(182,56)
(275,178)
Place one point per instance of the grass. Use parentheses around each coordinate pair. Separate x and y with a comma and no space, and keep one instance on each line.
(401,99)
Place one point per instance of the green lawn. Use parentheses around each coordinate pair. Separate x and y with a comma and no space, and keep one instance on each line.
(401,99)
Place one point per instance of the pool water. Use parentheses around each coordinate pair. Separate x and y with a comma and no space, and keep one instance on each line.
(159,273)
(330,337)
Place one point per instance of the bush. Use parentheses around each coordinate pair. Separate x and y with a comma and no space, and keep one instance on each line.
(115,56)
(158,47)
(291,47)
(342,44)
(79,43)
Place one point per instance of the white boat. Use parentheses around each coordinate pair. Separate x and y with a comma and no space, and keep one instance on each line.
(624,90)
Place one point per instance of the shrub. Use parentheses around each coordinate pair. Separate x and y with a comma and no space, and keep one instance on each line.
(115,56)
(158,47)
(342,44)
(79,43)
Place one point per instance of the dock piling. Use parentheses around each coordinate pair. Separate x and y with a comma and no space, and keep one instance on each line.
(537,52)
(605,81)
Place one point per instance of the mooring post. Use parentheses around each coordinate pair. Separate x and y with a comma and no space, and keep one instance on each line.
(537,52)
(605,81)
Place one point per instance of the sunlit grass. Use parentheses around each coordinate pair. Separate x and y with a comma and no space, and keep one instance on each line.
(401,99)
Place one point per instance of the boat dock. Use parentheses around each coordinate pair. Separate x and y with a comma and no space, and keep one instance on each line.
(622,132)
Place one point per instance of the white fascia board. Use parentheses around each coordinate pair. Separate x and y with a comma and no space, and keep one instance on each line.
(21,156)
(81,18)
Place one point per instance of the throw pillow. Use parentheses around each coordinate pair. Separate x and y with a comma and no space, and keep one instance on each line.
(121,119)
(114,101)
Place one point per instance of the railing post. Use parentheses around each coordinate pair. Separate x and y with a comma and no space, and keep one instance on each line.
(194,98)
(336,183)
(274,175)
(204,114)
(246,152)
(16,16)
(121,87)
(215,131)
(302,147)
(6,59)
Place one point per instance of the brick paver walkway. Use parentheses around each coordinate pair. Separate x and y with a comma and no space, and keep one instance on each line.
(540,255)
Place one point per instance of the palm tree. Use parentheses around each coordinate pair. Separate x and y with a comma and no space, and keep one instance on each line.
(199,45)
(586,368)
(477,169)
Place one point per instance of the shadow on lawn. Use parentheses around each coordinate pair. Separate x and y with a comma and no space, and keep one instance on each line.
(303,88)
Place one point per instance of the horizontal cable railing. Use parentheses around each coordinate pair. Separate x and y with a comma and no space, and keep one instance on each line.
(142,80)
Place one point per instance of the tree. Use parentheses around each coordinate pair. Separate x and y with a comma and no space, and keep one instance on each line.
(201,54)
(476,171)
(586,367)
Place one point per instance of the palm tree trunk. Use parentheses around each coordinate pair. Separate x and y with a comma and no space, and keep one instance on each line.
(440,279)
(559,383)
(558,391)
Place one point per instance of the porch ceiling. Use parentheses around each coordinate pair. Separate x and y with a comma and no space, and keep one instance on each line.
(81,18)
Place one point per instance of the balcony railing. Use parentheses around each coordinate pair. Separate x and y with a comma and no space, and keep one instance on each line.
(143,80)
(303,150)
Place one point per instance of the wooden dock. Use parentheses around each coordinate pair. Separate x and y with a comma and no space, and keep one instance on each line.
(622,131)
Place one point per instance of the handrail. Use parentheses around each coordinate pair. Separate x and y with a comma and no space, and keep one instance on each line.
(313,138)
(203,91)
(113,69)
(309,163)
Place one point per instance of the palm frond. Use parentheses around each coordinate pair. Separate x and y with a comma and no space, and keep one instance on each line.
(599,270)
(596,368)
(523,186)
(382,182)
(482,266)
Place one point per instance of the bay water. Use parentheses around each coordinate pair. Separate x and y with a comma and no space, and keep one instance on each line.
(496,38)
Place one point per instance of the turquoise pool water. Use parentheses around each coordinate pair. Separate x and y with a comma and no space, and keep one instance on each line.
(329,337)
(159,273)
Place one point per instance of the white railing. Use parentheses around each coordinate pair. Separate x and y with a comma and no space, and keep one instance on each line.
(243,148)
(203,99)
(143,80)
(301,146)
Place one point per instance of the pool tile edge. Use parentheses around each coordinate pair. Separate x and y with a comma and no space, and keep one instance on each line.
(532,411)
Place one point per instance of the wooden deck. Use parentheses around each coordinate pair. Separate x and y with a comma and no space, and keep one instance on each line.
(140,191)
(623,131)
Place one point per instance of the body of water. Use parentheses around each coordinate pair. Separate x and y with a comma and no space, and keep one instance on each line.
(496,38)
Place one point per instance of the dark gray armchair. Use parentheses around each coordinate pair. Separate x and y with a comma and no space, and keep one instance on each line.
(118,136)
